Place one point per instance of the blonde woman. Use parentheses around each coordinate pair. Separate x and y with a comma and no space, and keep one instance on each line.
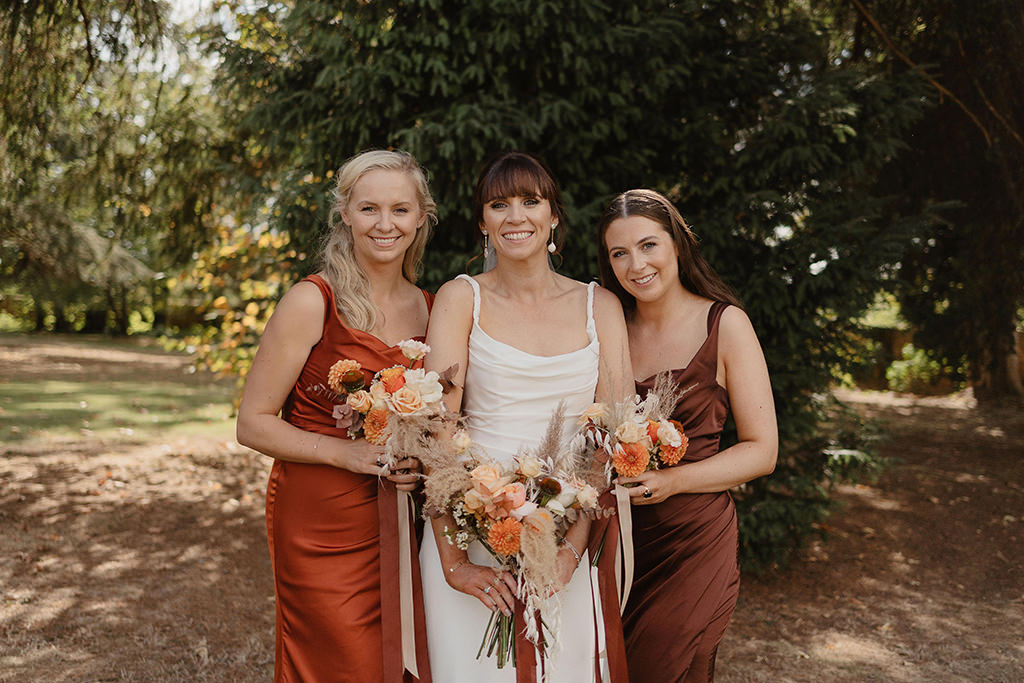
(322,519)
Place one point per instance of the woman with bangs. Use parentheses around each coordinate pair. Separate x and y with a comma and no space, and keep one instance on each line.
(322,496)
(684,320)
(522,339)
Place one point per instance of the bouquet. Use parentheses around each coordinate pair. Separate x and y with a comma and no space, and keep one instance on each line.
(395,394)
(520,514)
(635,435)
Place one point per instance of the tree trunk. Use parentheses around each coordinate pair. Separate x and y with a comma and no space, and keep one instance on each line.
(995,374)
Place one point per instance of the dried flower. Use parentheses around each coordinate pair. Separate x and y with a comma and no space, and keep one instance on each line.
(461,441)
(503,536)
(593,413)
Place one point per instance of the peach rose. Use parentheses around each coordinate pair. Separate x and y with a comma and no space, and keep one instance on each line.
(406,401)
(360,401)
(669,435)
(379,395)
(523,510)
(530,466)
(490,477)
(630,432)
(514,493)
(595,411)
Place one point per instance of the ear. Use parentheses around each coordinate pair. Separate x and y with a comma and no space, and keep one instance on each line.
(344,215)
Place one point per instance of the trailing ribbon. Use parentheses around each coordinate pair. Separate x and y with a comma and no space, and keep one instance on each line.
(624,549)
(603,534)
(526,652)
(403,624)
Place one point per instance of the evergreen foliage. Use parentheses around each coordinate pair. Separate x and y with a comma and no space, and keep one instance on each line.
(743,112)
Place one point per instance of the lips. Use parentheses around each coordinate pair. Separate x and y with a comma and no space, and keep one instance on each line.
(385,241)
(641,281)
(518,236)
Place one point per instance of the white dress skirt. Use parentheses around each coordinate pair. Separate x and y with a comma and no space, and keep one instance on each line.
(508,401)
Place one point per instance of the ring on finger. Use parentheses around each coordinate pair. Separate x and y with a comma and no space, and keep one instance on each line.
(380,463)
(487,591)
(647,492)
(497,581)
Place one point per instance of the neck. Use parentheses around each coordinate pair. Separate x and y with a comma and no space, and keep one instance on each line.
(386,280)
(524,279)
(664,309)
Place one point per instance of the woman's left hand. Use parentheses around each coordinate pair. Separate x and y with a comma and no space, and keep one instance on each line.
(652,486)
(405,474)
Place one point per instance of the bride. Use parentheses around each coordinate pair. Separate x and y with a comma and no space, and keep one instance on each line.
(523,338)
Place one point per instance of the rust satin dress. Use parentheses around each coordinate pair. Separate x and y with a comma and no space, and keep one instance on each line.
(686,578)
(323,529)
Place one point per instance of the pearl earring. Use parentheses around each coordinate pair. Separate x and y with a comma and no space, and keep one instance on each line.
(551,245)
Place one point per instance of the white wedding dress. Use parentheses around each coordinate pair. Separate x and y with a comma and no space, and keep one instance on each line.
(508,401)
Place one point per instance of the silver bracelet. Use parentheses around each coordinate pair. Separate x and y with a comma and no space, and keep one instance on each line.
(572,549)
(451,569)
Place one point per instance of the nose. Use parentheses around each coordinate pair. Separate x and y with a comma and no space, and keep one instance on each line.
(516,213)
(386,221)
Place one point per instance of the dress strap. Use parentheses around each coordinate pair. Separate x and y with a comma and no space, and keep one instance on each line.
(328,294)
(591,326)
(476,296)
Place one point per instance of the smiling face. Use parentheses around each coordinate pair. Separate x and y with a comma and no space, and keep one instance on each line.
(643,257)
(384,214)
(518,226)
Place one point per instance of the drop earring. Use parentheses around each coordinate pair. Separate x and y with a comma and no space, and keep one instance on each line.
(487,246)
(551,245)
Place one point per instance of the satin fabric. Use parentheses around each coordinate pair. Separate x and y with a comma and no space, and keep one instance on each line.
(686,580)
(323,529)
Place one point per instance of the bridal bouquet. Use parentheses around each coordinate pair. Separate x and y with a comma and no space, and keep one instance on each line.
(395,393)
(635,435)
(519,513)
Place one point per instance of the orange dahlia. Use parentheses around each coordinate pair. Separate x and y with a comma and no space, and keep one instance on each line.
(393,379)
(670,455)
(343,373)
(503,536)
(630,459)
(375,426)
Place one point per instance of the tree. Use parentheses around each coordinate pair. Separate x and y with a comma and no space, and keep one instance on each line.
(104,167)
(743,112)
(961,285)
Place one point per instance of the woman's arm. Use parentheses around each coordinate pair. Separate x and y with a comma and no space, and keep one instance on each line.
(615,373)
(745,375)
(451,321)
(292,331)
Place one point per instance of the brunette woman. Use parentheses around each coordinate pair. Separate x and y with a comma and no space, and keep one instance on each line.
(682,319)
(322,514)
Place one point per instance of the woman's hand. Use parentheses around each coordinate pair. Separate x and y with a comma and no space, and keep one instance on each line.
(652,486)
(357,455)
(406,475)
(495,588)
(567,565)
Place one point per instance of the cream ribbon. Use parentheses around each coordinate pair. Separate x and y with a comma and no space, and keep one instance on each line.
(405,582)
(624,548)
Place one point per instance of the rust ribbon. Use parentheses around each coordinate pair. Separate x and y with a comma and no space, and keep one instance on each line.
(605,539)
(526,652)
(403,624)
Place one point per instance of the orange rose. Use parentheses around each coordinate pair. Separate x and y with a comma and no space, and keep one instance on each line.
(375,428)
(503,536)
(393,379)
(630,459)
(652,431)
(406,400)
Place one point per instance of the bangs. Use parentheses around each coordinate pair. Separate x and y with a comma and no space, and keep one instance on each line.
(517,177)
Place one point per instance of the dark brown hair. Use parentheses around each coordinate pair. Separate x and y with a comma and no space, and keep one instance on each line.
(517,174)
(695,273)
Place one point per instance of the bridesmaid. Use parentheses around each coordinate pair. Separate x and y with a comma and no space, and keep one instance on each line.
(322,520)
(682,318)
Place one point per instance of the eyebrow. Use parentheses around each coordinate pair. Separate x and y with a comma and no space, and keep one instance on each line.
(642,239)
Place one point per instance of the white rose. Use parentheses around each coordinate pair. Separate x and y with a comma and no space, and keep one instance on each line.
(426,383)
(461,441)
(530,466)
(412,349)
(568,494)
(379,395)
(668,434)
(630,432)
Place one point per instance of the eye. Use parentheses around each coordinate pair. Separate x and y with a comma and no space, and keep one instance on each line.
(367,209)
(648,245)
(401,209)
(616,253)
(497,205)
(531,201)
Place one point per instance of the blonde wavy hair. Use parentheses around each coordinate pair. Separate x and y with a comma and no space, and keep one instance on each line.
(337,260)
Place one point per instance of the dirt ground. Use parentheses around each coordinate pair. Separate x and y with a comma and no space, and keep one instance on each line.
(146,560)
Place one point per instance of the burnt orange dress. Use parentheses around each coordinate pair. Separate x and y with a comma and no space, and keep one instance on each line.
(323,529)
(686,579)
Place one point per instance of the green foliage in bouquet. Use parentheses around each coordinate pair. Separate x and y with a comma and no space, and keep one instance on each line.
(748,115)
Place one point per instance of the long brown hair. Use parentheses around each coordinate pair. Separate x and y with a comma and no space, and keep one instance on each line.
(695,273)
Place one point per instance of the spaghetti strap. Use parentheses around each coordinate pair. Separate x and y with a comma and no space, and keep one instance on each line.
(476,295)
(591,326)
